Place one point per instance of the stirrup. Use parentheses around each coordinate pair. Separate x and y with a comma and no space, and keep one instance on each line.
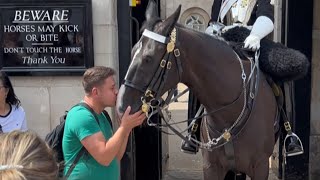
(187,147)
(294,153)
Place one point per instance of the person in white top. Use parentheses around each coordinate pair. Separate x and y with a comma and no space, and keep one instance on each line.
(12,115)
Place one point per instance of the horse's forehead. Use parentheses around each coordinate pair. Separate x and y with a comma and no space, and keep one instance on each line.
(150,47)
(143,48)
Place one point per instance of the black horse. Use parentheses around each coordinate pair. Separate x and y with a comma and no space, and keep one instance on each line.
(239,103)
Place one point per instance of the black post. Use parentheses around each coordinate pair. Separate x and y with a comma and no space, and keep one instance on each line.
(128,163)
(124,37)
(299,36)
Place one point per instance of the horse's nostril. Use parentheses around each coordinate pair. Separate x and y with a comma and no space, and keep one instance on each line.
(120,109)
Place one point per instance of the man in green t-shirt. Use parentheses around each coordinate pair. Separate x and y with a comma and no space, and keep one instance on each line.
(105,147)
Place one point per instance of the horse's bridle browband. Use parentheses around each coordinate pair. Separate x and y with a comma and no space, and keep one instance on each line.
(155,36)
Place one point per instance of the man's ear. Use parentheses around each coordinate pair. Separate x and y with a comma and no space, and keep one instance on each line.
(94,91)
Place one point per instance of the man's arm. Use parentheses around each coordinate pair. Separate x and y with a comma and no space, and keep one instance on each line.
(105,151)
(123,147)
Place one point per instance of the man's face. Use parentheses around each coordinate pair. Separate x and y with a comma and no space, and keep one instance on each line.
(107,92)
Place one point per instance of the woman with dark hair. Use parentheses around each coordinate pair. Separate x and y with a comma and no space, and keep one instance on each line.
(12,115)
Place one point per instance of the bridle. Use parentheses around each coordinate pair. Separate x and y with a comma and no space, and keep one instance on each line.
(151,98)
(152,93)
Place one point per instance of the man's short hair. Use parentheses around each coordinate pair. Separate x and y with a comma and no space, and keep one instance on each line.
(95,76)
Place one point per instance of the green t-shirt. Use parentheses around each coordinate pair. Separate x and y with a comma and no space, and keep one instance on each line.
(80,123)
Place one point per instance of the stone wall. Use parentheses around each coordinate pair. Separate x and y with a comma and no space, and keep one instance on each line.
(314,154)
(202,5)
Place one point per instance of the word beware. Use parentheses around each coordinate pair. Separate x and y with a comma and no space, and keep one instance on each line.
(41,15)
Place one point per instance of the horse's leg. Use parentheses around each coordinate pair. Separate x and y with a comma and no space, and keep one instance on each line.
(212,168)
(261,171)
(213,172)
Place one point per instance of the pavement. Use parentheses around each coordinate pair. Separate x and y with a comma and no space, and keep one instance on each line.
(182,166)
(195,175)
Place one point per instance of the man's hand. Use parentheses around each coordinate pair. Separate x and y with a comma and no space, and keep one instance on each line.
(129,122)
(252,42)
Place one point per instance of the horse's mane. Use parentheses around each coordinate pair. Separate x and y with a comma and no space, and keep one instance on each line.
(203,36)
(206,38)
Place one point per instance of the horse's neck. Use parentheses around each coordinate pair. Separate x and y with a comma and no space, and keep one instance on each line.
(212,71)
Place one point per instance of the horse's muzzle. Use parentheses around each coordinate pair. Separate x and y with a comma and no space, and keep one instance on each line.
(127,98)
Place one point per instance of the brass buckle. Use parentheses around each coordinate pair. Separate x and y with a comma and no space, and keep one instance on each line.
(145,107)
(148,93)
(226,135)
(169,65)
(163,63)
(176,53)
(194,127)
(287,126)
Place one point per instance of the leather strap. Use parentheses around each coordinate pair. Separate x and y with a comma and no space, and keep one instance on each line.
(229,150)
(76,160)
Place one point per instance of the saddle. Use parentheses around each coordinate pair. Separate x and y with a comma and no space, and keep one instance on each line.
(276,60)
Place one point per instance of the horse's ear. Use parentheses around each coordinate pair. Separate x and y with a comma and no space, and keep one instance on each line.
(171,21)
(152,10)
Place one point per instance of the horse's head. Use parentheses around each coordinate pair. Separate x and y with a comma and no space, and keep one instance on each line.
(152,71)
